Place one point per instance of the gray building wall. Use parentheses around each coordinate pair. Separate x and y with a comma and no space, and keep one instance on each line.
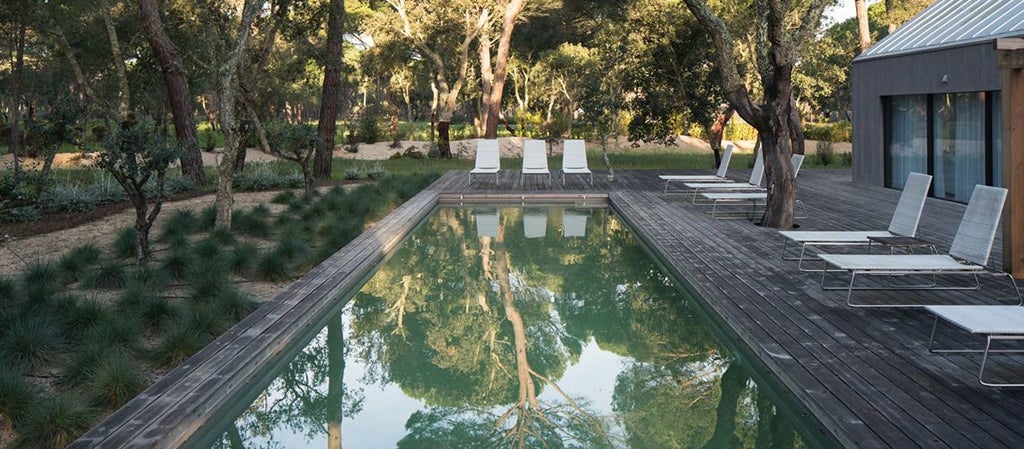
(967,69)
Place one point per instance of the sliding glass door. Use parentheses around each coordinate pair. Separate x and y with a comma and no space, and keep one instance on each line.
(907,133)
(958,142)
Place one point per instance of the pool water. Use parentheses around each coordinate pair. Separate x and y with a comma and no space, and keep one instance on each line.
(513,327)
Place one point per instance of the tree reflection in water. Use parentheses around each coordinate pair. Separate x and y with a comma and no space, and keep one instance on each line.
(479,326)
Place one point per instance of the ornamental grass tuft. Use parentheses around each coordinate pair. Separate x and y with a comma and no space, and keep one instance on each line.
(55,422)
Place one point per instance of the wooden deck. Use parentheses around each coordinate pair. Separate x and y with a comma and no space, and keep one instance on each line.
(865,373)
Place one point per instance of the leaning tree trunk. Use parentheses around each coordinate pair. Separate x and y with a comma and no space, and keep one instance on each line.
(19,66)
(716,132)
(177,91)
(863,30)
(327,127)
(123,94)
(781,187)
(493,105)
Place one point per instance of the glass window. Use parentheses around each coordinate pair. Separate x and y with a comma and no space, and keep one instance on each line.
(958,145)
(908,138)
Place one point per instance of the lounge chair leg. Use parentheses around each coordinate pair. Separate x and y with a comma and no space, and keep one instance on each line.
(984,361)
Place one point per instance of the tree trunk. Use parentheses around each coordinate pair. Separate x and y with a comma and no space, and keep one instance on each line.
(781,187)
(123,94)
(493,106)
(733,380)
(890,14)
(717,131)
(335,380)
(177,91)
(19,66)
(327,127)
(486,84)
(796,128)
(444,146)
(863,32)
(227,90)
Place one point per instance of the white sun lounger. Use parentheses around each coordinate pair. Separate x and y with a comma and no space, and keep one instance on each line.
(487,159)
(968,254)
(753,184)
(723,166)
(714,199)
(535,223)
(574,159)
(535,159)
(996,323)
(904,222)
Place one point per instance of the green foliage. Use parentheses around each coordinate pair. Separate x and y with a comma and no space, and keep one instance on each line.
(180,222)
(116,331)
(265,176)
(117,378)
(376,172)
(251,223)
(31,342)
(832,132)
(75,262)
(176,262)
(42,274)
(352,173)
(242,258)
(272,268)
(824,152)
(283,197)
(17,395)
(369,125)
(55,422)
(207,218)
(124,243)
(181,340)
(108,275)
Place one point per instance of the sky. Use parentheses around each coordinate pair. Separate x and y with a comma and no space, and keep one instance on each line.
(842,11)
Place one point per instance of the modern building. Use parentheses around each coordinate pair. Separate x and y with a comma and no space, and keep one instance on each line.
(927,98)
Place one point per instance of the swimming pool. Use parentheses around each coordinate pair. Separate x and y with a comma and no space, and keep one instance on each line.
(490,327)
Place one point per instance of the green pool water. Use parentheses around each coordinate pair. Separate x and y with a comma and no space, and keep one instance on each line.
(513,327)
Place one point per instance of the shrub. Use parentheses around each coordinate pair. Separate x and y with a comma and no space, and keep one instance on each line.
(116,331)
(111,275)
(369,125)
(180,222)
(117,379)
(283,197)
(42,274)
(352,173)
(9,291)
(31,342)
(846,160)
(271,267)
(235,304)
(55,422)
(75,262)
(83,363)
(223,237)
(146,277)
(68,198)
(250,223)
(175,185)
(83,314)
(156,311)
(207,218)
(24,214)
(825,153)
(177,262)
(376,172)
(242,259)
(206,278)
(17,395)
(124,243)
(179,343)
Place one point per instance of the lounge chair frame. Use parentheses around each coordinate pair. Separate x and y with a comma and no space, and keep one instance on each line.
(535,159)
(949,315)
(574,159)
(968,254)
(904,222)
(488,159)
(719,176)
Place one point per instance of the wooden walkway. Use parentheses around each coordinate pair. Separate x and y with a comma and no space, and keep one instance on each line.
(866,374)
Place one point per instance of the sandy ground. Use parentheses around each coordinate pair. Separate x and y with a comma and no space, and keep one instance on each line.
(510,147)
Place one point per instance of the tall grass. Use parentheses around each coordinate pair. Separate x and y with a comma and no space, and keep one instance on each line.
(55,422)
